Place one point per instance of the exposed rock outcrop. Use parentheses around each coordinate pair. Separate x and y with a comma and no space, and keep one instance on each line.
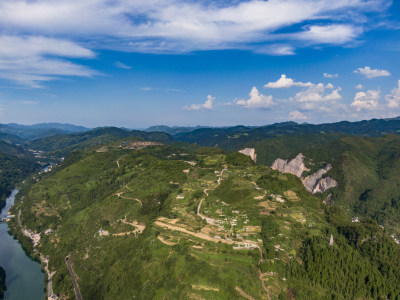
(296,166)
(313,183)
(250,152)
(324,184)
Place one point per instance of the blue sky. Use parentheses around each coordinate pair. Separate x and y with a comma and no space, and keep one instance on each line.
(138,63)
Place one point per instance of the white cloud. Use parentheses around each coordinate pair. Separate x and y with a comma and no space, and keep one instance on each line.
(329,34)
(147,89)
(312,97)
(285,82)
(276,50)
(184,25)
(366,100)
(393,98)
(297,115)
(164,26)
(359,86)
(333,96)
(206,105)
(121,65)
(256,100)
(327,75)
(29,102)
(372,73)
(31,60)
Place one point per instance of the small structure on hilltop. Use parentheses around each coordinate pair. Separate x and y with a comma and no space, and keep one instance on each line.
(103,232)
(331,241)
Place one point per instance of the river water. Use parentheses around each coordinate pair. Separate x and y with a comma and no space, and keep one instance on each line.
(25,279)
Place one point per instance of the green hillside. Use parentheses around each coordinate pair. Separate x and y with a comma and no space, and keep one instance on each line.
(231,138)
(368,173)
(15,165)
(166,223)
(366,168)
(61,145)
(16,133)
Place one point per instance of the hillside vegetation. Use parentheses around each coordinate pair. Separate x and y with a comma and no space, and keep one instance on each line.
(166,223)
(233,137)
(366,168)
(15,165)
(61,145)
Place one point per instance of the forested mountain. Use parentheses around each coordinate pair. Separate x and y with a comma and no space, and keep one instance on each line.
(368,172)
(30,132)
(164,219)
(170,223)
(233,138)
(173,130)
(60,145)
(15,164)
(10,138)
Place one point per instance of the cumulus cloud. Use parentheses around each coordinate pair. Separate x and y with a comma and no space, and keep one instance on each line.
(359,86)
(285,82)
(315,95)
(297,115)
(366,100)
(256,100)
(372,73)
(209,104)
(393,99)
(327,75)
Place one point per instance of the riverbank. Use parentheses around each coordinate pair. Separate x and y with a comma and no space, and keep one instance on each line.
(24,275)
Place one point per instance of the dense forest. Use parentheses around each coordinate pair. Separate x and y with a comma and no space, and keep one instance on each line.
(13,169)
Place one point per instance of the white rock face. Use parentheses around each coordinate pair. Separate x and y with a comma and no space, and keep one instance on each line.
(324,184)
(296,166)
(250,152)
(313,183)
(316,184)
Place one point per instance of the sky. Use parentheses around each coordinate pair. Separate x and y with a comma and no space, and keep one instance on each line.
(135,63)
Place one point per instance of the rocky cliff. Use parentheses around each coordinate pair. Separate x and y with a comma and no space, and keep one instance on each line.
(250,152)
(296,166)
(314,183)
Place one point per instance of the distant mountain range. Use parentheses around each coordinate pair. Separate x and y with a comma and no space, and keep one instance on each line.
(233,137)
(224,137)
(15,133)
(174,130)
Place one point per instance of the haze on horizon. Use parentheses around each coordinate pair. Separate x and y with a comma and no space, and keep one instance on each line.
(217,63)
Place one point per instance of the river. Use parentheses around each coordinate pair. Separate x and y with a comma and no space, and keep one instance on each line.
(25,279)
